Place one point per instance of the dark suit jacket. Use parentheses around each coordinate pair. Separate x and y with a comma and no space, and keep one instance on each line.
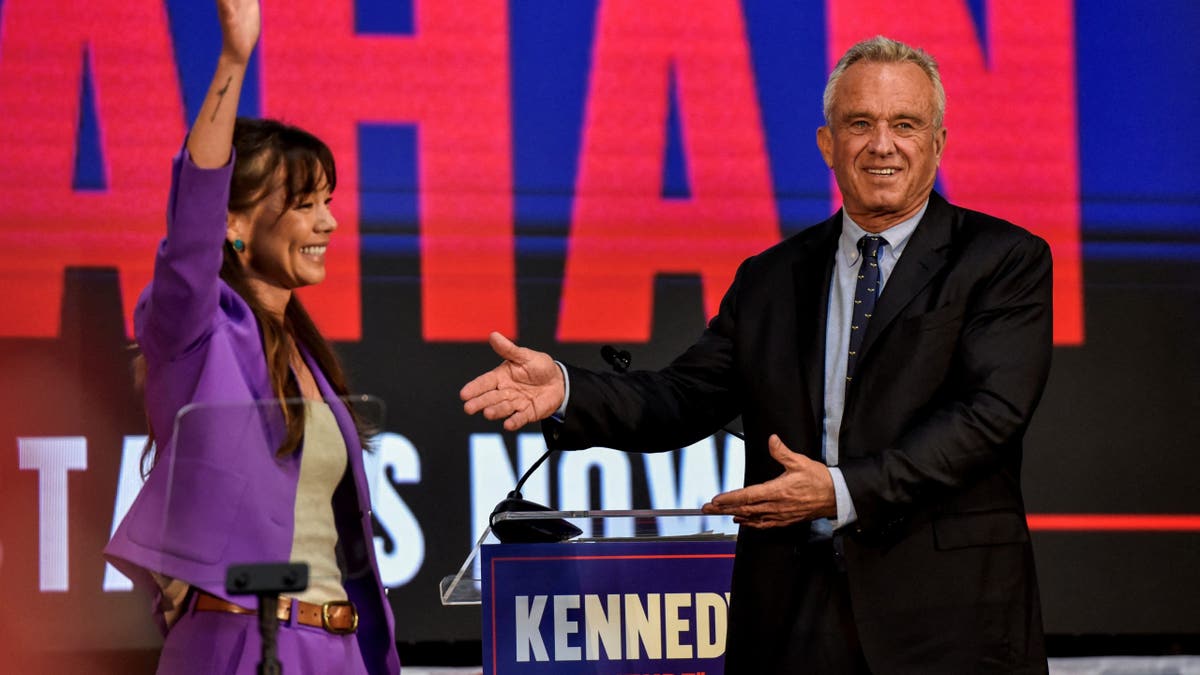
(955,358)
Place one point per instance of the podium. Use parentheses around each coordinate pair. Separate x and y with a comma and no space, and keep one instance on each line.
(648,594)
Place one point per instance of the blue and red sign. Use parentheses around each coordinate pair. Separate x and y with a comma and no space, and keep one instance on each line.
(606,608)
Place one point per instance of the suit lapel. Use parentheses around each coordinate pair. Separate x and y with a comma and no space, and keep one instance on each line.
(811,274)
(923,257)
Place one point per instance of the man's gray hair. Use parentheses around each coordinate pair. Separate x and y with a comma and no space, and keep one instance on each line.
(880,49)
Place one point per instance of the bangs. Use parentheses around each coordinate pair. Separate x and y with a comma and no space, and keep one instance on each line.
(272,155)
(307,168)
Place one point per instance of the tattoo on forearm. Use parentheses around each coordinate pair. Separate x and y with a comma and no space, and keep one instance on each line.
(221,97)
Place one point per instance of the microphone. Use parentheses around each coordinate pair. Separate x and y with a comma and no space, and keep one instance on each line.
(618,359)
(540,531)
(544,530)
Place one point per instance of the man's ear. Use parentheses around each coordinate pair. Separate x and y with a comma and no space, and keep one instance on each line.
(825,144)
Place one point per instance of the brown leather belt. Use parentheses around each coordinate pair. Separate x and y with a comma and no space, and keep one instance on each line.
(338,617)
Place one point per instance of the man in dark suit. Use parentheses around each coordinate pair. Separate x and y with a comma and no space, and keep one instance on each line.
(886,364)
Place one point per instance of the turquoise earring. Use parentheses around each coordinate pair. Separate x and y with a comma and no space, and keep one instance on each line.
(239,245)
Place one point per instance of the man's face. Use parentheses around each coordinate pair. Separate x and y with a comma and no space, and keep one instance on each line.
(881,142)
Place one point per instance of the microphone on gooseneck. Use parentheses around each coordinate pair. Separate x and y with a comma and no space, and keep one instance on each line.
(619,360)
(544,530)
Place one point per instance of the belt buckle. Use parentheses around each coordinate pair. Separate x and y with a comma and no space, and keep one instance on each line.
(325,607)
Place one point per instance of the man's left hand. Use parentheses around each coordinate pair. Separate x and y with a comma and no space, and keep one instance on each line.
(803,492)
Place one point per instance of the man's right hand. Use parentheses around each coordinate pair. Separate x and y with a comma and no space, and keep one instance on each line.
(527,387)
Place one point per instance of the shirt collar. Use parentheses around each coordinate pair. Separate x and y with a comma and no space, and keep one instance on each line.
(897,235)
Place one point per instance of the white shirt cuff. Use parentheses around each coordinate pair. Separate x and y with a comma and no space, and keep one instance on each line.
(561,414)
(845,505)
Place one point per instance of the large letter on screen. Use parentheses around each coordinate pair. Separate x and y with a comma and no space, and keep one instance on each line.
(624,229)
(450,79)
(52,60)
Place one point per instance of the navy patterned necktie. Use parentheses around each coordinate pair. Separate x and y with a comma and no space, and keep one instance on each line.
(865,293)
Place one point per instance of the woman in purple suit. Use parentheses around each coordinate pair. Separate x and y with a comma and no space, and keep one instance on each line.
(248,222)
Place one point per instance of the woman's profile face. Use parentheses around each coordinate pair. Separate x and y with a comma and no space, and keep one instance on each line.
(285,246)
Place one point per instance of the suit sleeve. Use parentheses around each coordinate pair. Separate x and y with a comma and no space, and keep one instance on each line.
(178,308)
(656,410)
(999,370)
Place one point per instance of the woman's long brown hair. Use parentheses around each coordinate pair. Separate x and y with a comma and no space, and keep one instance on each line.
(271,155)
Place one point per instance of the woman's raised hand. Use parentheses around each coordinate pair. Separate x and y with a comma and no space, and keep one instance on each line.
(241,22)
(212,132)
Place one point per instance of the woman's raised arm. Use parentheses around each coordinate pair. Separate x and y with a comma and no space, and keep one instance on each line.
(211,137)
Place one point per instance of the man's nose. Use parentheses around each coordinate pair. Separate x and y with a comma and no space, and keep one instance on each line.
(881,141)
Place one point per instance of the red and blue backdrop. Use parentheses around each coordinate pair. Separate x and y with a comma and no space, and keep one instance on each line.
(576,174)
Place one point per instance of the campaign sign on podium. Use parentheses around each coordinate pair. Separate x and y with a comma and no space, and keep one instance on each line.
(606,607)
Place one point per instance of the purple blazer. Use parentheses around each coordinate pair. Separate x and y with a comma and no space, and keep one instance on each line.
(218,495)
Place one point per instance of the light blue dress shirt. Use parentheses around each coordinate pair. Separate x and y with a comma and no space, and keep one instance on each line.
(847,260)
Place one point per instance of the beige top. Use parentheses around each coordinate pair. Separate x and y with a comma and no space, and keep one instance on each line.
(314,536)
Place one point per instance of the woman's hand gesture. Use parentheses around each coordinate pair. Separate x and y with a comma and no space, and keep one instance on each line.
(241,22)
(212,132)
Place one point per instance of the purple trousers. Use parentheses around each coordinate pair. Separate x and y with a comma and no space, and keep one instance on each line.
(219,643)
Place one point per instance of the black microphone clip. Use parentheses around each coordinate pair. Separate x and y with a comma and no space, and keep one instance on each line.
(619,359)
